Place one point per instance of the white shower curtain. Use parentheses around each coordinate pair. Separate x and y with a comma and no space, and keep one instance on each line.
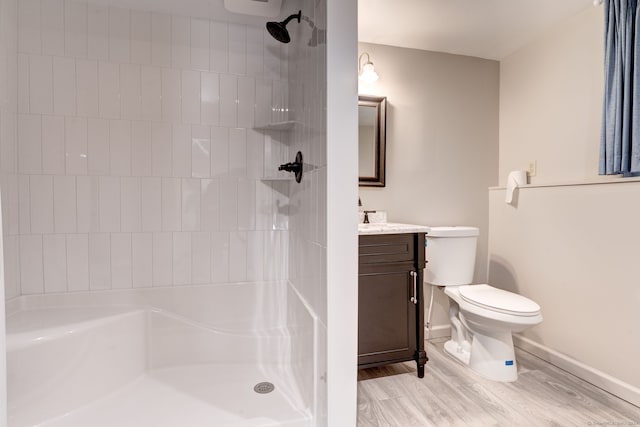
(620,138)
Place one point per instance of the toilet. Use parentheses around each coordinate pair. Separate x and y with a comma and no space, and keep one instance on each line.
(482,317)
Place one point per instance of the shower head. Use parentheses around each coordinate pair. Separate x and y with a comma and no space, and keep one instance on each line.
(278,30)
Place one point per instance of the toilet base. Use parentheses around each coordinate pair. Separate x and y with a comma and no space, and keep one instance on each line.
(455,350)
(491,356)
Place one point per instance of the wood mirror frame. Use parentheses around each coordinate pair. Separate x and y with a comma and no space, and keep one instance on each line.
(376,139)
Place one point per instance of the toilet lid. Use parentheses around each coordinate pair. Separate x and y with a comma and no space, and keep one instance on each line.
(498,300)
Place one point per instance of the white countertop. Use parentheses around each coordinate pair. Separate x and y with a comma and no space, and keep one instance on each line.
(391,228)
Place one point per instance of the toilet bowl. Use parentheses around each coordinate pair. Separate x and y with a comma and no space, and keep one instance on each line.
(482,317)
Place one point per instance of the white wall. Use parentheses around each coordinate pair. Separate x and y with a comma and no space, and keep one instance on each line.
(138,165)
(308,201)
(566,249)
(551,102)
(342,240)
(9,140)
(571,248)
(442,142)
(8,170)
(323,245)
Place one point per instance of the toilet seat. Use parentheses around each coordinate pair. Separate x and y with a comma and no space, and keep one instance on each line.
(498,300)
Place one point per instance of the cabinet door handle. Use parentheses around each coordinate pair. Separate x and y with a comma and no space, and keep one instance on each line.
(414,297)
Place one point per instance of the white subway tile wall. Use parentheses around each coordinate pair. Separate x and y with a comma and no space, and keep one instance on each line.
(98,31)
(77,262)
(130,158)
(52,27)
(304,101)
(53,147)
(55,261)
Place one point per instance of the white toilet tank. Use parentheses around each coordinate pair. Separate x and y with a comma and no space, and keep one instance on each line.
(451,255)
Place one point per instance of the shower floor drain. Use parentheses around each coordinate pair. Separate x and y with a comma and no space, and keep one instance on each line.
(263,388)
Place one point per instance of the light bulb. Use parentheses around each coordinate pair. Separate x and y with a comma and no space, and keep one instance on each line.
(368,74)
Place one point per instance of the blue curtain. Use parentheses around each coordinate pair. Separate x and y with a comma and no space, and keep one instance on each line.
(620,137)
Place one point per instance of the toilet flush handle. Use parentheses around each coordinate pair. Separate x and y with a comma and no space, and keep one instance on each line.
(414,297)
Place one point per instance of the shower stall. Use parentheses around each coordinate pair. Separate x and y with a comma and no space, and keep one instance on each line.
(158,267)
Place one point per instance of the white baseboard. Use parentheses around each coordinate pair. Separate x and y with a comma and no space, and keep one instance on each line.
(437,331)
(598,378)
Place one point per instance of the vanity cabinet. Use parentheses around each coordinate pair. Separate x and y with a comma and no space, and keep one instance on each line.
(390,300)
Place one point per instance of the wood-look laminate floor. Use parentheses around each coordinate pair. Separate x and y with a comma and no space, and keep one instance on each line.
(452,395)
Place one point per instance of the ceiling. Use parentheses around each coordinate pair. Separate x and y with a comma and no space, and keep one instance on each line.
(490,29)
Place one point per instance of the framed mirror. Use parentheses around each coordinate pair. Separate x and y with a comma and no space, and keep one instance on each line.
(372,117)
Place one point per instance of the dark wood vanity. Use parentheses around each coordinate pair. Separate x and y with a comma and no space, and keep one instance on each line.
(390,300)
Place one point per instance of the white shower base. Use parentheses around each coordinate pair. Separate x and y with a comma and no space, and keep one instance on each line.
(194,396)
(132,361)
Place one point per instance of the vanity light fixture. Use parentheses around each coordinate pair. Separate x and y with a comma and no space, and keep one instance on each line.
(366,72)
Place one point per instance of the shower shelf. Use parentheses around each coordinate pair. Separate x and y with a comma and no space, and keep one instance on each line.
(288,125)
(277,178)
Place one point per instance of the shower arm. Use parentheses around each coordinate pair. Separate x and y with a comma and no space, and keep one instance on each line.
(290,17)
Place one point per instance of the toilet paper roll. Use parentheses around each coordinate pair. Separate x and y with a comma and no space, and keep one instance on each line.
(514,180)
